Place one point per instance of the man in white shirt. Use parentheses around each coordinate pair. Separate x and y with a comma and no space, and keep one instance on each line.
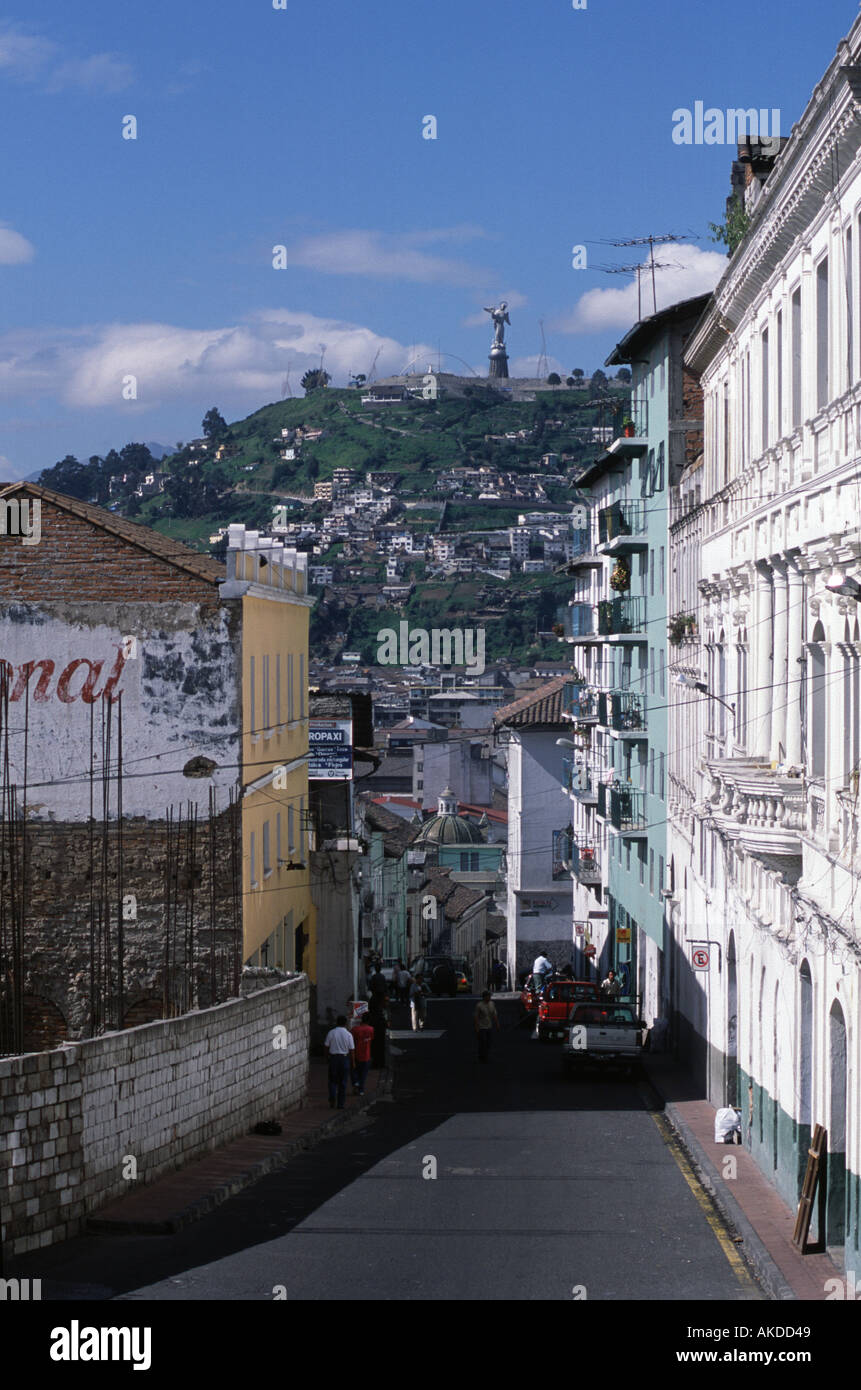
(339,1044)
(542,968)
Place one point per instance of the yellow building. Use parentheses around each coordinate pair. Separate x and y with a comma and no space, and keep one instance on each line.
(272,583)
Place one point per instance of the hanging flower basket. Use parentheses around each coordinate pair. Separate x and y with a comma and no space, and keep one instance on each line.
(620,579)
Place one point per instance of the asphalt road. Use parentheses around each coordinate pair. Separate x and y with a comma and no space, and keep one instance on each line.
(545,1188)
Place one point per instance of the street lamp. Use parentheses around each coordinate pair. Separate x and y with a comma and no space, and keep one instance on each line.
(567,743)
(690,684)
(839,583)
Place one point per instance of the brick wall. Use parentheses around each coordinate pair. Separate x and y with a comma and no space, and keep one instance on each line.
(79,561)
(57,947)
(163,1093)
(693,407)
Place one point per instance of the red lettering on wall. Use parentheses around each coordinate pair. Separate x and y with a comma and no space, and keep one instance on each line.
(17,679)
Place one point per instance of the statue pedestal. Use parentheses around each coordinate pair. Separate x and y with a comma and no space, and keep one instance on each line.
(498,362)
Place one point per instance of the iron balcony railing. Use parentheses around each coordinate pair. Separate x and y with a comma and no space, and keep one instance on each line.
(623,806)
(562,853)
(623,711)
(579,702)
(585,863)
(623,518)
(621,616)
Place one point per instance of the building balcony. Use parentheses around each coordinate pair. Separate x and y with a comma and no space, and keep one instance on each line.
(622,618)
(585,864)
(752,803)
(579,702)
(622,527)
(578,622)
(580,781)
(623,712)
(633,442)
(624,807)
(583,552)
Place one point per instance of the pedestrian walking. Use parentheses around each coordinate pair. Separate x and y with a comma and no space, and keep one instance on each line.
(404,981)
(611,987)
(378,987)
(363,1036)
(500,975)
(376,1019)
(485,1019)
(339,1044)
(418,1003)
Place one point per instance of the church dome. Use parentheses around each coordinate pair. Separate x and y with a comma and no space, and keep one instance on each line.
(447,827)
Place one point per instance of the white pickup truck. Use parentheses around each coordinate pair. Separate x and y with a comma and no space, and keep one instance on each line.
(604,1034)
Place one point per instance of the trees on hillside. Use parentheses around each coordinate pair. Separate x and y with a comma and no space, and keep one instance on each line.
(314,380)
(214,425)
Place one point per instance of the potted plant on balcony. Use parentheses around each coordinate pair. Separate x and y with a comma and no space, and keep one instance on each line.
(629,429)
(690,624)
(558,630)
(620,579)
(676,629)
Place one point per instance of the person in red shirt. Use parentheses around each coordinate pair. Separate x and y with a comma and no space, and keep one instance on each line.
(363,1036)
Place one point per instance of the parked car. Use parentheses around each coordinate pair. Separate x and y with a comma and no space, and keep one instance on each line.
(439,974)
(557,1002)
(604,1034)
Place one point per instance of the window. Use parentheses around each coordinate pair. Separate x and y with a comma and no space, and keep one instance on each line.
(662,572)
(662,672)
(291,831)
(301,685)
(659,471)
(652,573)
(850,310)
(278,855)
(266,721)
(267,850)
(795,330)
(252,850)
(291,708)
(652,871)
(660,872)
(765,385)
(652,669)
(822,363)
(779,331)
(253,710)
(278,688)
(641,861)
(652,776)
(628,855)
(663,786)
(469,862)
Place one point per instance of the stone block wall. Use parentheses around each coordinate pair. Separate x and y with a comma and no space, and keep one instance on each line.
(162,1094)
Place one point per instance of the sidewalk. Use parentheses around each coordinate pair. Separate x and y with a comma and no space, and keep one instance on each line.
(175,1200)
(748,1202)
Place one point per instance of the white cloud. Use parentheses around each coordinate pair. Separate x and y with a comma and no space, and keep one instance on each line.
(14,248)
(386,256)
(85,367)
(693,272)
(101,72)
(32,58)
(528,366)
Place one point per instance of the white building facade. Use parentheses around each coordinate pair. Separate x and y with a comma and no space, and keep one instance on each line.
(764,768)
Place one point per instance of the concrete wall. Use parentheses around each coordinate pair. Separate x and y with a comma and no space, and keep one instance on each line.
(161,1094)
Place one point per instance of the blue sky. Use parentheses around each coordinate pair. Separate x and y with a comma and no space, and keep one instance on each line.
(302,127)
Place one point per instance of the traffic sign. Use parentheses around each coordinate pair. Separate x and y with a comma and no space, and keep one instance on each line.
(700,958)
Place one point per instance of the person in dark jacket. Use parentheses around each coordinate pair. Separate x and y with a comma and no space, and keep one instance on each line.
(376,1017)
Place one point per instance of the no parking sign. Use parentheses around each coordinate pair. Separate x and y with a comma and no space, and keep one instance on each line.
(700,958)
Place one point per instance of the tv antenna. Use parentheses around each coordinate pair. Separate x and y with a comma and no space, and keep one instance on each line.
(651,242)
(286,388)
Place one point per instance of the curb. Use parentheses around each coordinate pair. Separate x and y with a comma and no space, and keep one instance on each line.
(753,1248)
(201,1206)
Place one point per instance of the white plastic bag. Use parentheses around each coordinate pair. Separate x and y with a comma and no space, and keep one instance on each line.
(727,1123)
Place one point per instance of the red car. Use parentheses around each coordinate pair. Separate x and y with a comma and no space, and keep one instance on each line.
(530,995)
(557,1003)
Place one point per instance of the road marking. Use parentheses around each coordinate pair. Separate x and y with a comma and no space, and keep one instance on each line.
(739,1268)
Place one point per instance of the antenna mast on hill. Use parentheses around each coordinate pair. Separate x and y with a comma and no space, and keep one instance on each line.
(373,366)
(542,361)
(286,388)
